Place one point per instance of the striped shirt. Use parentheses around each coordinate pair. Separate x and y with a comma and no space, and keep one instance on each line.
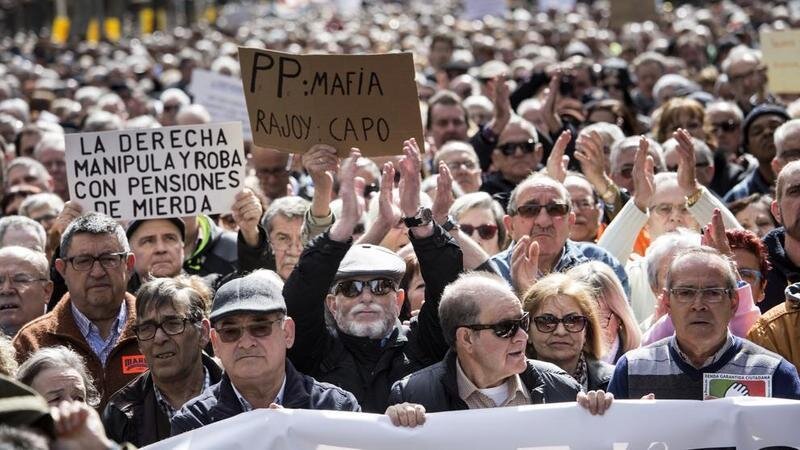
(166,407)
(101,347)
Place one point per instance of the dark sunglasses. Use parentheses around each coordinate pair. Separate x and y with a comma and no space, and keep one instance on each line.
(509,148)
(505,329)
(261,329)
(729,126)
(530,210)
(354,288)
(486,231)
(547,323)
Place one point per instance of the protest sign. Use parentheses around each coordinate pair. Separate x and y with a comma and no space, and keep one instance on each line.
(478,9)
(627,11)
(558,5)
(781,53)
(364,101)
(743,422)
(222,96)
(159,172)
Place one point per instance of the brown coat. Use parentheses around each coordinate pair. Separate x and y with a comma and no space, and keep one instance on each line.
(58,327)
(778,330)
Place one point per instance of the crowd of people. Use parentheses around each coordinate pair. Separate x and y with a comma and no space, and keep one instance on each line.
(597,212)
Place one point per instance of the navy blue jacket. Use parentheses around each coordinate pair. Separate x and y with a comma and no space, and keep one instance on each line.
(782,273)
(219,402)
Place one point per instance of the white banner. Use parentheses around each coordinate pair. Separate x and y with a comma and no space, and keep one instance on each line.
(746,423)
(159,172)
(222,96)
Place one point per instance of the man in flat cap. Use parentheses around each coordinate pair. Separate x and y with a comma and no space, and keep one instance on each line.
(158,247)
(367,348)
(250,333)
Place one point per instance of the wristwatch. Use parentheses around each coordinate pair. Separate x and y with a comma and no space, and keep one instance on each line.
(450,224)
(423,217)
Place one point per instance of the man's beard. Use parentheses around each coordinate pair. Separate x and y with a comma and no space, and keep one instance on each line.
(376,329)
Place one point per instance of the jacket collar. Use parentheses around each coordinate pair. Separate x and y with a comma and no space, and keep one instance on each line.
(64,324)
(295,394)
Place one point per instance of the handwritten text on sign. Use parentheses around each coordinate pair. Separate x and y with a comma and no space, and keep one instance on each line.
(364,101)
(781,51)
(161,172)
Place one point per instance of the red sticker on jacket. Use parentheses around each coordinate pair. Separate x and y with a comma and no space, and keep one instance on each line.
(134,364)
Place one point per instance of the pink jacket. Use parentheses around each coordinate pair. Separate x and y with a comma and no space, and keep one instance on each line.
(746,315)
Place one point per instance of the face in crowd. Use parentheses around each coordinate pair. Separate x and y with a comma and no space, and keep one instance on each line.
(479,224)
(285,238)
(518,152)
(158,247)
(366,306)
(252,345)
(558,331)
(270,167)
(448,123)
(668,209)
(25,287)
(588,212)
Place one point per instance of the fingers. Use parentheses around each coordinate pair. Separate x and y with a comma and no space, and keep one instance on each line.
(596,402)
(533,252)
(406,415)
(649,396)
(275,406)
(641,153)
(444,181)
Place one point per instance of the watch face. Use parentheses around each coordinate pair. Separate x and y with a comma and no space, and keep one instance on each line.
(426,215)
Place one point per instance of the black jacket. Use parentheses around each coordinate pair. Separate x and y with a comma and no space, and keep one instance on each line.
(219,402)
(133,414)
(436,388)
(599,374)
(782,273)
(365,367)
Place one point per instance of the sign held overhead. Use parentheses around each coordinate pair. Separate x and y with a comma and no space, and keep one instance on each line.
(364,101)
(160,172)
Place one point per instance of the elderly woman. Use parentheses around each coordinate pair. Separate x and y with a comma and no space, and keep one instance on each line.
(682,113)
(565,329)
(620,331)
(59,374)
(481,218)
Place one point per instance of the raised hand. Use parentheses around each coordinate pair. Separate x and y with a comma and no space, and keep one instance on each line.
(410,166)
(321,163)
(714,235)
(71,211)
(342,228)
(557,161)
(589,153)
(687,178)
(524,264)
(643,172)
(444,194)
(247,212)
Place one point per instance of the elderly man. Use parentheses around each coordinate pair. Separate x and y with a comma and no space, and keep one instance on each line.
(283,222)
(486,367)
(24,170)
(463,163)
(702,359)
(587,207)
(703,159)
(172,331)
(251,332)
(787,145)
(783,243)
(51,152)
(747,77)
(622,156)
(726,124)
(447,119)
(158,247)
(272,171)
(517,154)
(96,315)
(539,221)
(759,130)
(22,231)
(25,288)
(367,349)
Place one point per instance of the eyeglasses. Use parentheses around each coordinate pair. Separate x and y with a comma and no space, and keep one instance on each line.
(547,323)
(729,126)
(530,210)
(455,165)
(172,327)
(505,329)
(260,329)
(708,295)
(84,263)
(509,148)
(354,288)
(750,276)
(584,205)
(19,279)
(485,231)
(665,209)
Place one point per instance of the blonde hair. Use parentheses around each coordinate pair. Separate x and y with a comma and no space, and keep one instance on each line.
(553,285)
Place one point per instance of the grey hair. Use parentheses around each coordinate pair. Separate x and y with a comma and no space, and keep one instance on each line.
(665,246)
(783,132)
(9,222)
(8,362)
(96,224)
(460,301)
(480,200)
(730,265)
(289,207)
(608,131)
(36,258)
(58,357)
(48,141)
(102,121)
(535,178)
(160,291)
(726,106)
(702,152)
(31,164)
(452,147)
(41,200)
(630,144)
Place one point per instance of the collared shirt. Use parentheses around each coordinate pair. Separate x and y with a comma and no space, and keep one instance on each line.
(673,342)
(246,406)
(164,404)
(101,347)
(475,399)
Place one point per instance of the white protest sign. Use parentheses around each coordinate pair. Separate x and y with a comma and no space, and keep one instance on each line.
(222,96)
(746,423)
(477,9)
(159,172)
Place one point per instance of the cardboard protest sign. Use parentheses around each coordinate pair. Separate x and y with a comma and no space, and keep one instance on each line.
(159,172)
(721,385)
(627,11)
(222,96)
(364,101)
(781,52)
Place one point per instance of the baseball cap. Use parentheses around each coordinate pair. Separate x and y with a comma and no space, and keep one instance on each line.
(371,260)
(258,292)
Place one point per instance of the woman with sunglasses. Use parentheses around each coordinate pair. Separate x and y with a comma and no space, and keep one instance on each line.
(481,218)
(565,329)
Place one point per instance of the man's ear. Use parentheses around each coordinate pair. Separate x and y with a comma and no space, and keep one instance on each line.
(508,224)
(538,152)
(214,340)
(330,301)
(497,156)
(734,302)
(464,338)
(401,296)
(288,331)
(60,266)
(572,218)
(205,332)
(130,261)
(774,207)
(776,165)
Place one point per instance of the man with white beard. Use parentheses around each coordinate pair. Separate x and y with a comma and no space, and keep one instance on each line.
(366,348)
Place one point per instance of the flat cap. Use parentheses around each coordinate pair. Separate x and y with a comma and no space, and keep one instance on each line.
(136,223)
(258,292)
(371,260)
